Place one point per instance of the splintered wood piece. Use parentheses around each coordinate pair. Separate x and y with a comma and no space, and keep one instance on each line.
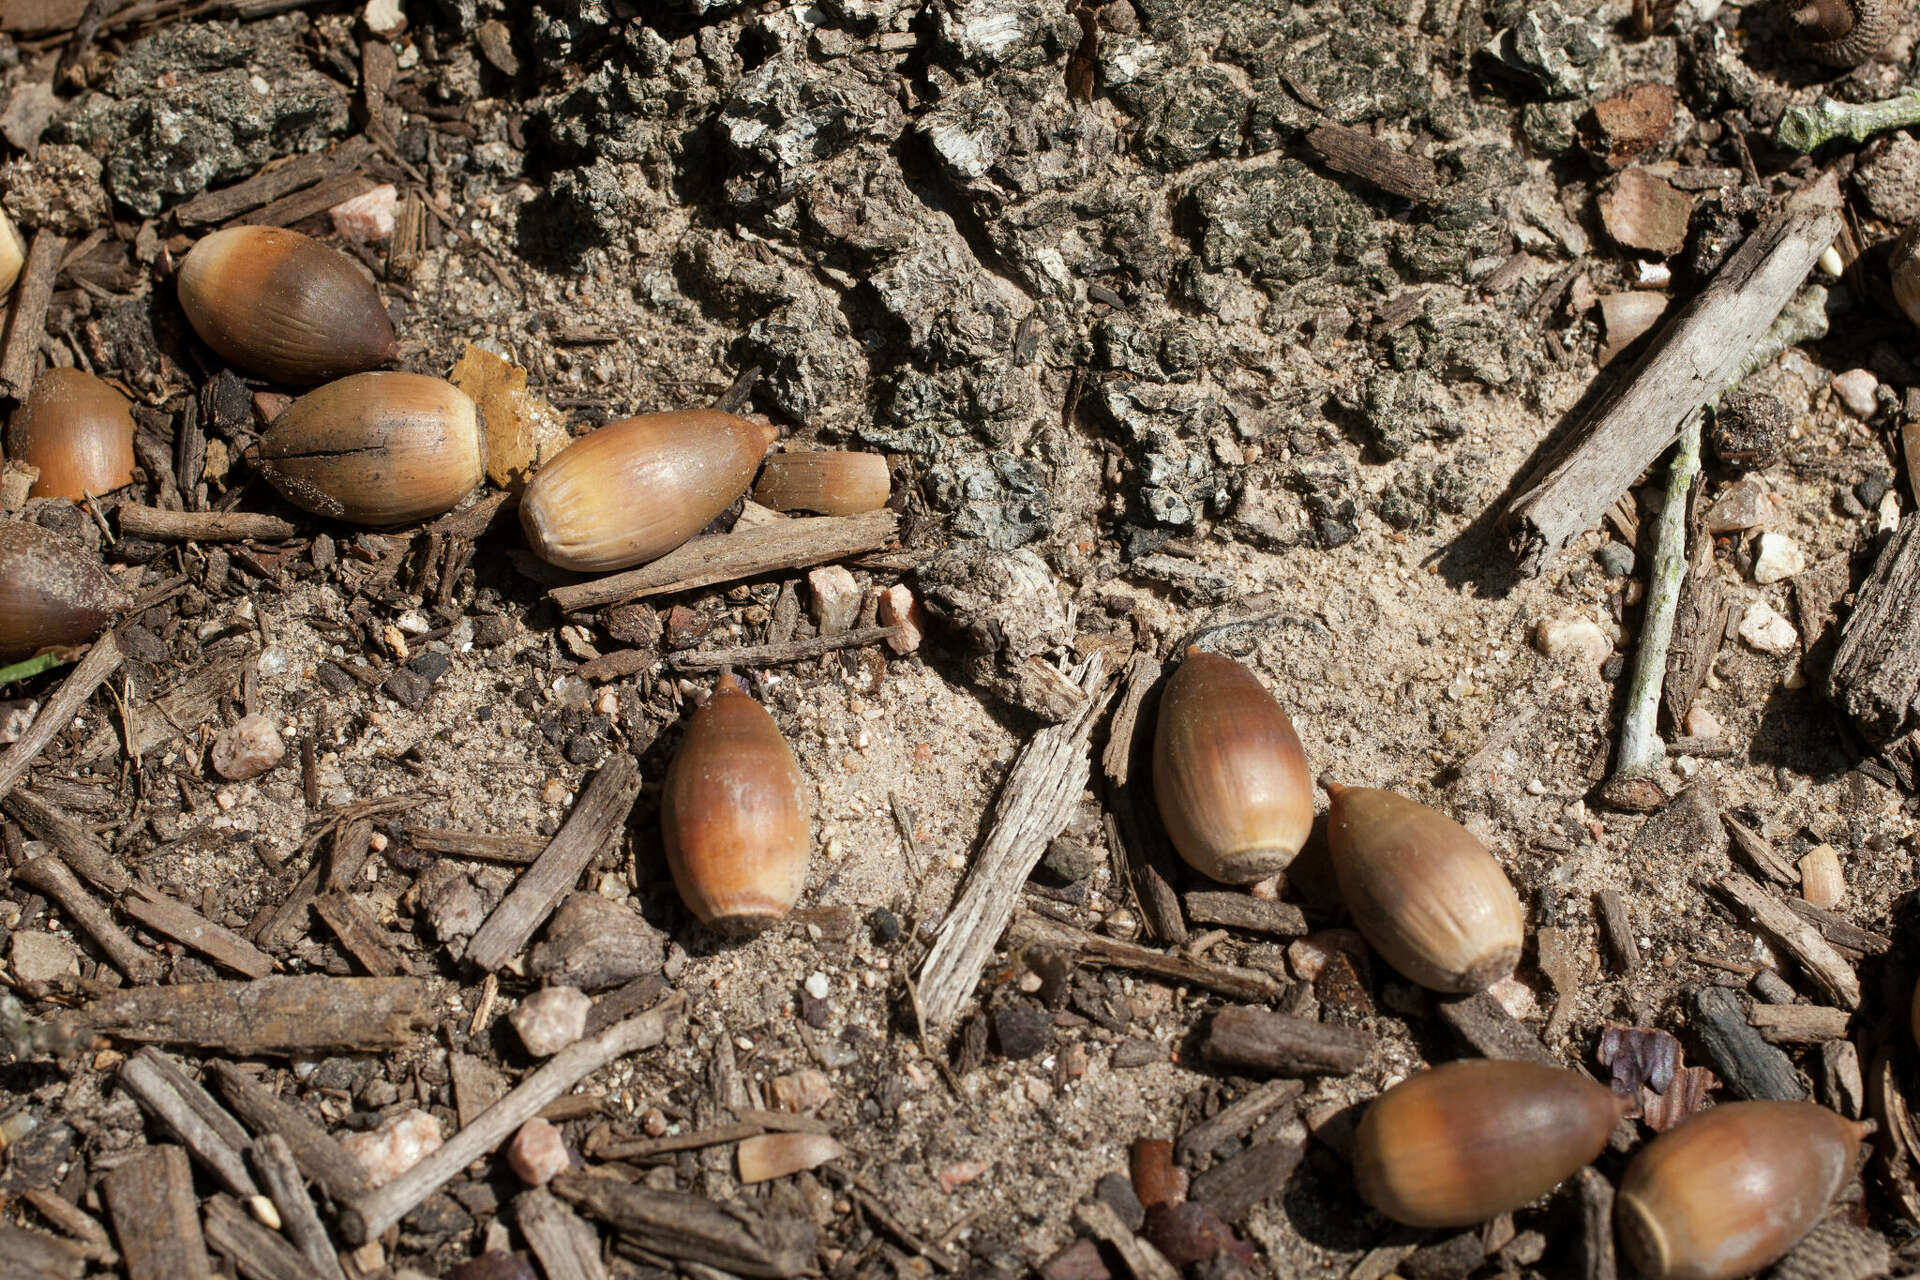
(1799,1023)
(1758,853)
(648,1148)
(1363,156)
(1848,938)
(257,1253)
(76,846)
(475,844)
(1133,821)
(1092,948)
(35,1255)
(150,1199)
(1237,1118)
(1751,1067)
(1097,1219)
(365,1218)
(1041,790)
(49,875)
(1875,676)
(476,1085)
(1596,1227)
(1618,923)
(274,182)
(1774,918)
(101,661)
(1699,625)
(1234,1186)
(1700,351)
(1485,1024)
(335,1169)
(1244,911)
(191,1115)
(598,817)
(180,710)
(289,209)
(725,557)
(73,1220)
(359,933)
(1256,1040)
(766,1156)
(274,1159)
(692,1229)
(567,1247)
(283,1015)
(199,526)
(176,920)
(767,655)
(27,325)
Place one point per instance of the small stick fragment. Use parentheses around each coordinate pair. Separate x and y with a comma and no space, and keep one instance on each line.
(279,1015)
(190,1113)
(777,655)
(1254,1039)
(1822,963)
(1757,851)
(1484,1023)
(1097,1218)
(1244,911)
(273,182)
(1133,821)
(568,1249)
(76,846)
(1799,1023)
(1237,1118)
(200,526)
(1751,1067)
(101,661)
(1363,156)
(365,1218)
(49,875)
(274,1160)
(176,920)
(646,1148)
(475,844)
(1596,1227)
(257,1253)
(1091,948)
(150,1199)
(27,322)
(694,1231)
(35,1255)
(359,933)
(1619,928)
(321,1158)
(75,1221)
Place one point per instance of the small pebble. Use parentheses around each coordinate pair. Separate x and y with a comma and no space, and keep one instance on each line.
(817,985)
(801,1091)
(1701,723)
(537,1153)
(898,608)
(1779,558)
(1615,559)
(1763,628)
(41,957)
(16,718)
(247,749)
(1856,388)
(1573,641)
(835,598)
(369,216)
(551,1019)
(1871,488)
(396,1146)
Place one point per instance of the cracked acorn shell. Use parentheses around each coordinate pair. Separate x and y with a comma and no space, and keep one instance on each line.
(78,430)
(633,490)
(1229,773)
(1423,892)
(734,815)
(1844,33)
(377,448)
(1733,1188)
(1460,1143)
(830,482)
(282,305)
(52,591)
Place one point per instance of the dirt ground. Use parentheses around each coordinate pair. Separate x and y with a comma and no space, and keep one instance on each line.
(1104,304)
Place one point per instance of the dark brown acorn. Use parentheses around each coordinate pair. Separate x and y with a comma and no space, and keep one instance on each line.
(633,490)
(1423,892)
(829,482)
(734,815)
(52,591)
(1457,1144)
(377,448)
(1229,773)
(78,431)
(284,306)
(1733,1188)
(1844,33)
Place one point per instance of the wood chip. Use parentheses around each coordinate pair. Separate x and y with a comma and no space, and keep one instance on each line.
(474,844)
(359,933)
(1751,1067)
(331,1166)
(47,874)
(190,1114)
(1363,156)
(1875,677)
(1276,1044)
(1799,1023)
(1244,911)
(1237,1118)
(176,920)
(35,1255)
(26,326)
(101,661)
(685,1228)
(257,1253)
(150,1199)
(567,1247)
(1233,1187)
(1094,949)
(199,526)
(281,1015)
(1133,820)
(1757,852)
(1484,1023)
(1614,917)
(1098,1219)
(273,182)
(1822,963)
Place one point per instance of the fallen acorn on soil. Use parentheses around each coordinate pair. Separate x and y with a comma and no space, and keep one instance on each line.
(1423,892)
(1733,1188)
(13,252)
(1229,773)
(1456,1144)
(1844,33)
(633,490)
(78,431)
(734,815)
(377,448)
(284,306)
(52,591)
(830,482)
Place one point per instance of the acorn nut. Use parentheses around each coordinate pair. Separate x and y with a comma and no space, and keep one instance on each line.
(633,490)
(1733,1188)
(284,306)
(1844,33)
(377,448)
(1457,1144)
(734,815)
(1229,773)
(52,591)
(13,252)
(78,431)
(1423,892)
(829,482)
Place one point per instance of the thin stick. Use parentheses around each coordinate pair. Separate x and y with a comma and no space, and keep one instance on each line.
(329,1164)
(273,1159)
(1806,128)
(365,1218)
(49,875)
(149,1083)
(200,526)
(101,661)
(774,655)
(20,356)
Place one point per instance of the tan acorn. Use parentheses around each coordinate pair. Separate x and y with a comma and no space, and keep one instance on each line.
(734,815)
(633,490)
(78,431)
(1459,1143)
(1423,892)
(52,591)
(13,252)
(1733,1188)
(377,448)
(1229,773)
(283,305)
(826,481)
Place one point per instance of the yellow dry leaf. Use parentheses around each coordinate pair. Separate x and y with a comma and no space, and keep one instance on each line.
(523,430)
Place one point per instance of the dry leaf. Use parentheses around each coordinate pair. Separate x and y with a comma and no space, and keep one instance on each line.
(523,430)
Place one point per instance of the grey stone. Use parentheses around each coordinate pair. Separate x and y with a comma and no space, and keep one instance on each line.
(1615,559)
(1560,56)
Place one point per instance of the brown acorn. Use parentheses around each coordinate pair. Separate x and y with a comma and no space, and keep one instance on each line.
(1229,773)
(1733,1188)
(377,448)
(1423,892)
(1844,33)
(13,252)
(1457,1144)
(52,591)
(829,482)
(633,490)
(734,815)
(284,306)
(78,431)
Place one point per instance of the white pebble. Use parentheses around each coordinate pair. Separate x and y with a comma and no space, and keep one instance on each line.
(396,1146)
(1701,722)
(1763,628)
(817,985)
(1855,388)
(1780,557)
(1573,641)
(550,1020)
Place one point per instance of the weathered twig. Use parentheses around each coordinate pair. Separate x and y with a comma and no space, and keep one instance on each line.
(257,1253)
(1875,675)
(1039,795)
(477,844)
(775,655)
(174,919)
(1822,963)
(150,1199)
(49,875)
(367,1217)
(695,1231)
(191,1115)
(200,526)
(1137,833)
(1259,1040)
(1091,948)
(74,843)
(568,1249)
(101,661)
(290,1015)
(27,323)
(321,1158)
(1807,128)
(274,1160)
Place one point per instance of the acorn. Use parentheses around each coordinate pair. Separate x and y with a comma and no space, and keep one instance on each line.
(52,591)
(377,448)
(1229,773)
(633,490)
(734,815)
(1844,33)
(284,306)
(1460,1143)
(78,431)
(13,252)
(1423,892)
(1733,1188)
(829,482)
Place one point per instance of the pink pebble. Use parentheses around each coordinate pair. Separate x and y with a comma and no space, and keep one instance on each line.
(396,1146)
(537,1153)
(899,609)
(368,216)
(551,1019)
